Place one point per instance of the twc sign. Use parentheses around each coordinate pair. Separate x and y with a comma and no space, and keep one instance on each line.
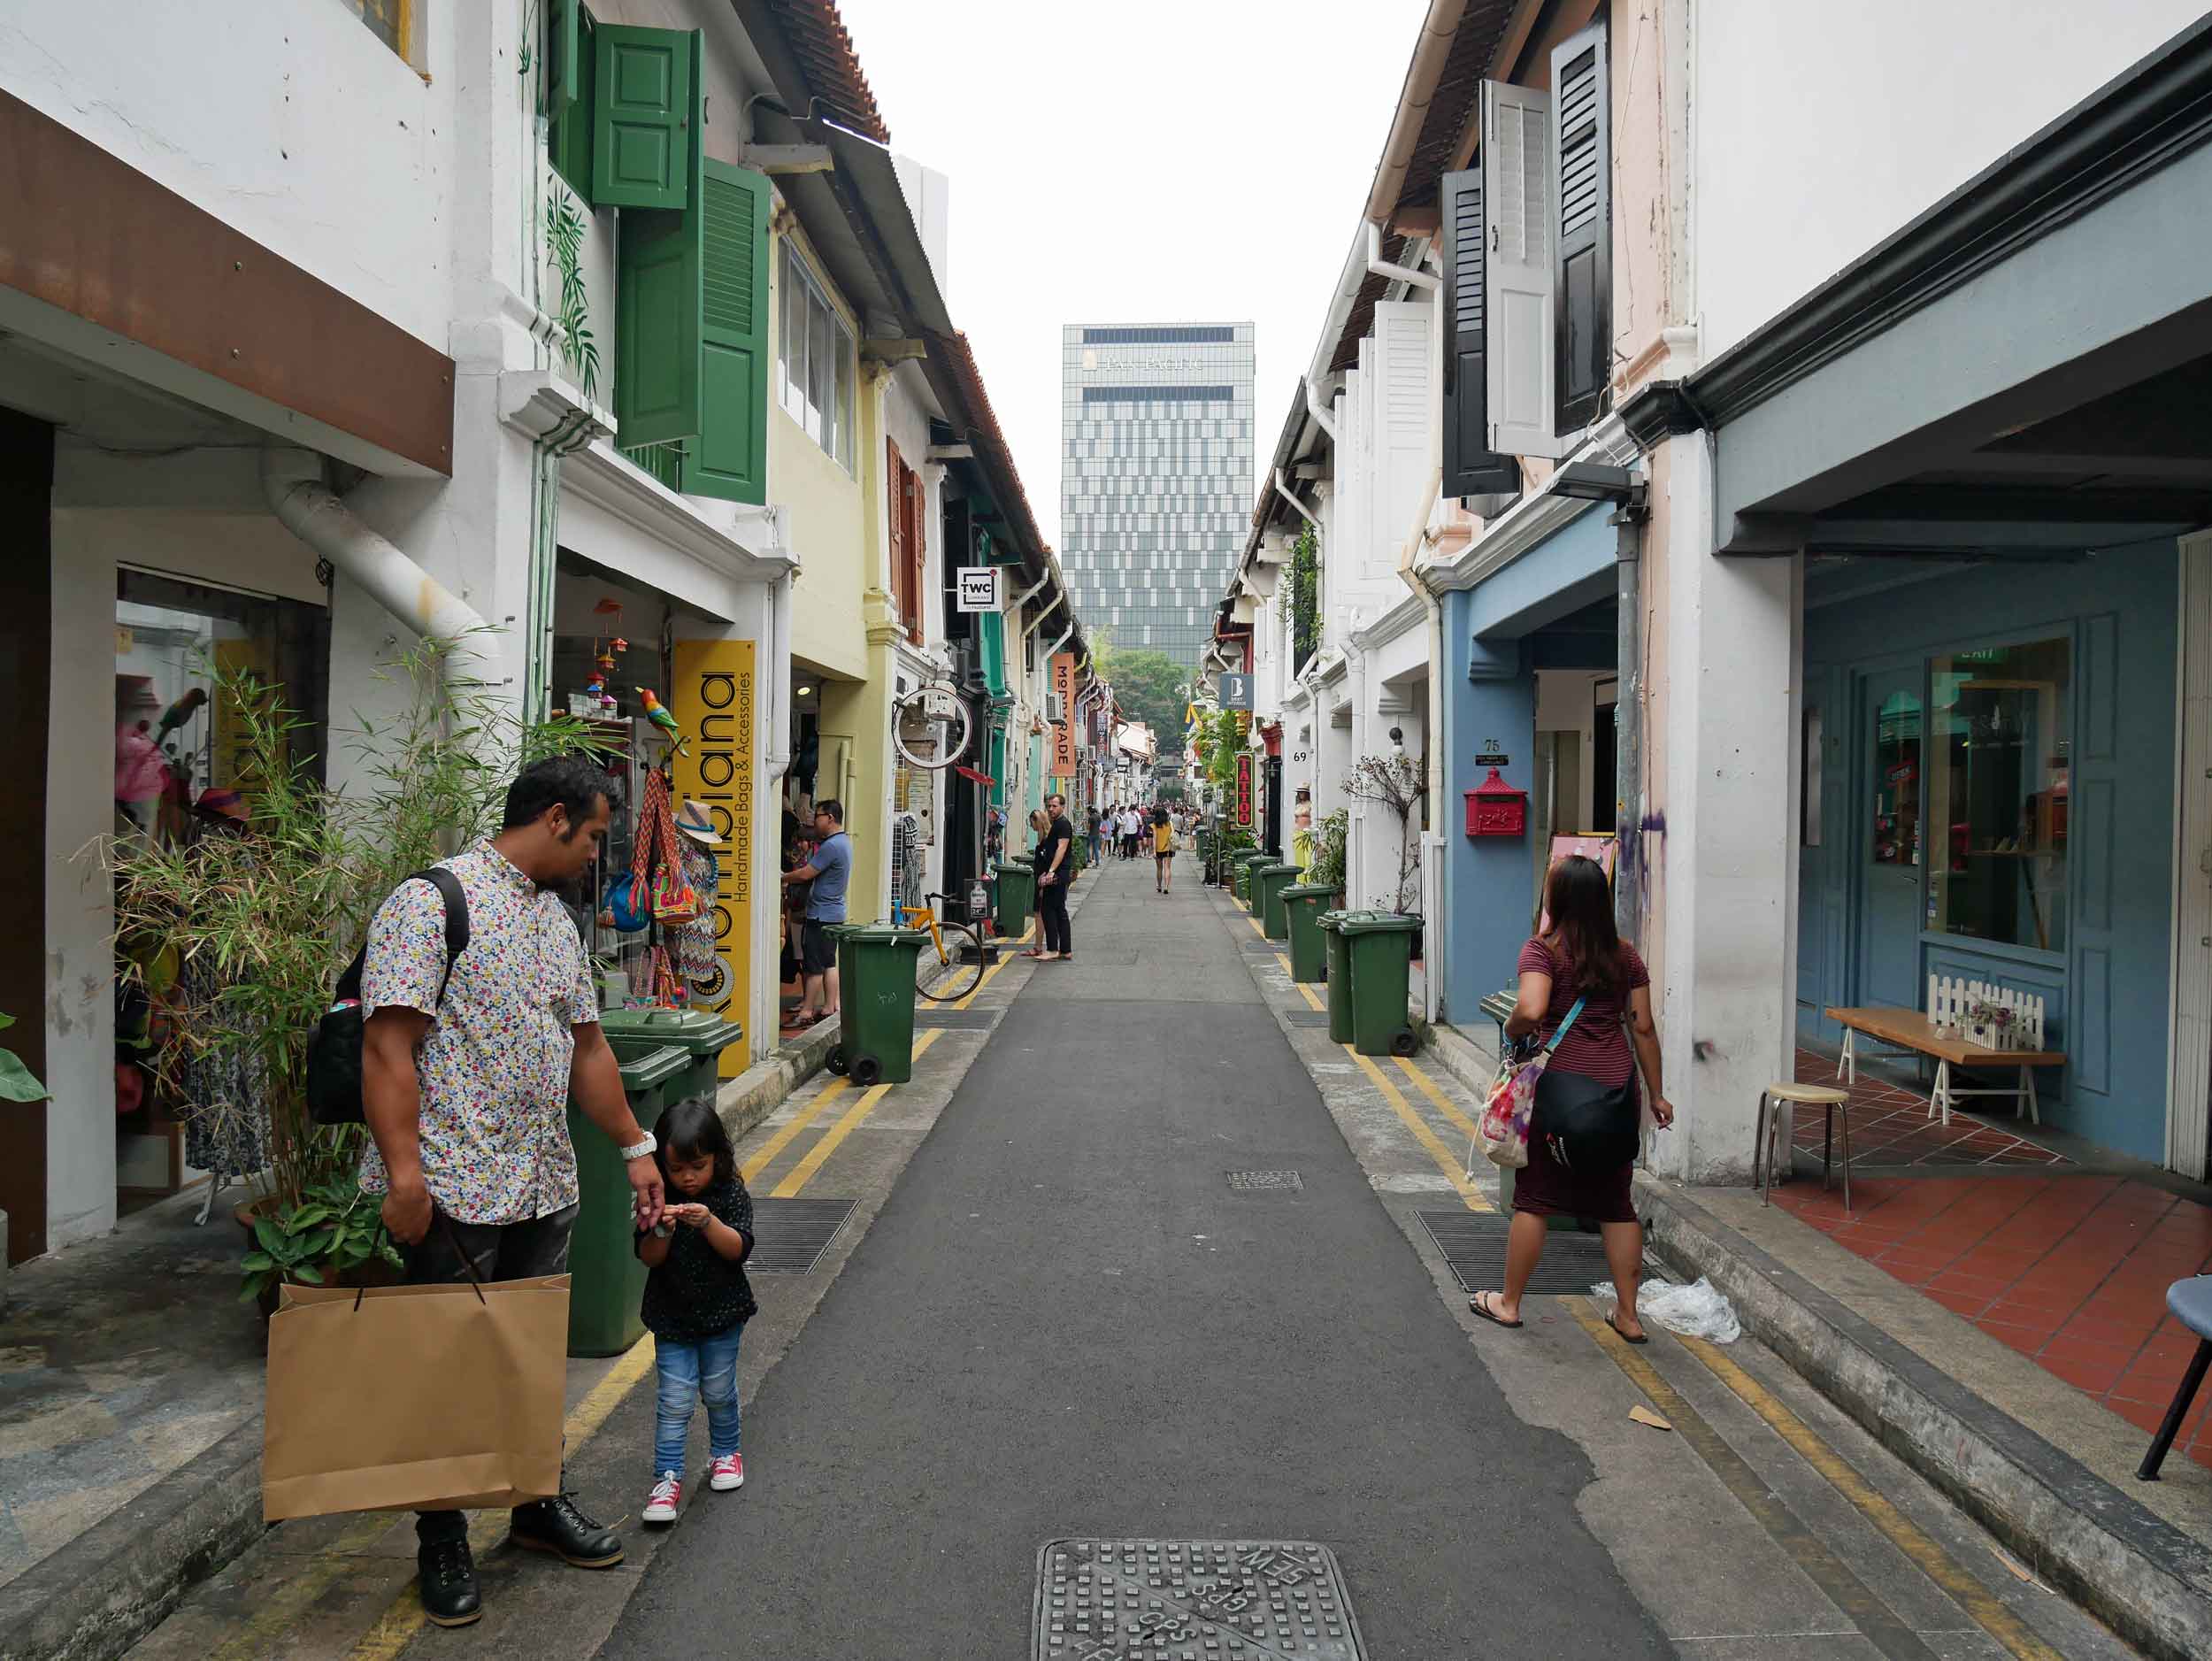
(978,589)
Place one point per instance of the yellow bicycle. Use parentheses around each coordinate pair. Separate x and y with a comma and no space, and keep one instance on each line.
(949,965)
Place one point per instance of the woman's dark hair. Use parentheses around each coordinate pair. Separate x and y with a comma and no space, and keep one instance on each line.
(691,1129)
(574,783)
(1580,901)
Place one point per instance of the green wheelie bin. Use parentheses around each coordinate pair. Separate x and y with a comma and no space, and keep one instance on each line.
(1381,945)
(606,1280)
(1339,952)
(876,1032)
(1248,863)
(701,1035)
(1268,882)
(1302,904)
(1017,886)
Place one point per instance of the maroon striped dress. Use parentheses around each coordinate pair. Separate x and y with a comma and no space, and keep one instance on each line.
(1597,1046)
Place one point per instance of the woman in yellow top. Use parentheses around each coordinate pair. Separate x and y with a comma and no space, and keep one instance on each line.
(1163,848)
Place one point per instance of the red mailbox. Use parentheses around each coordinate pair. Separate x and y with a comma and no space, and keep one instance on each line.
(1494,808)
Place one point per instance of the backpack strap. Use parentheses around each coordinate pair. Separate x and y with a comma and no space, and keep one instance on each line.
(456,933)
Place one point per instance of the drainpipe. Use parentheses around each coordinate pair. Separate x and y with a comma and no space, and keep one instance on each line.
(292,481)
(1047,653)
(777,761)
(1322,418)
(1282,490)
(1377,266)
(1628,723)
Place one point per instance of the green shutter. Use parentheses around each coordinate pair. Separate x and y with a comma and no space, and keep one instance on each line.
(731,458)
(570,140)
(659,286)
(991,633)
(564,38)
(644,117)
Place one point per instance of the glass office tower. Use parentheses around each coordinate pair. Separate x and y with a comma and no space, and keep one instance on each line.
(1156,476)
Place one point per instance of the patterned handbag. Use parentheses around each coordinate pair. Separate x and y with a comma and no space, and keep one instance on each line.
(659,866)
(1502,1131)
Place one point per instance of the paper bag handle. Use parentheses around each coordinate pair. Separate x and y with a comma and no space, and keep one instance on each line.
(453,1240)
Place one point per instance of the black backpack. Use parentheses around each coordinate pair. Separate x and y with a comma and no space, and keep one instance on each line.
(334,1054)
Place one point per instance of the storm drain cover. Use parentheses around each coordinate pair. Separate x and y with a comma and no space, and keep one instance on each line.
(1192,1600)
(1307,1018)
(789,1236)
(1474,1245)
(963,1020)
(1265,1182)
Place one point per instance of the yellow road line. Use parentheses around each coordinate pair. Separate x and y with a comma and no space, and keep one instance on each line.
(1445,1160)
(806,1116)
(402,1619)
(1427,1086)
(1312,999)
(818,1155)
(989,975)
(1989,1610)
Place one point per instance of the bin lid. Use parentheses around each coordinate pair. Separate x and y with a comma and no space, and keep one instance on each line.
(644,1063)
(877,933)
(1308,891)
(1024,866)
(697,1030)
(1379,923)
(1267,870)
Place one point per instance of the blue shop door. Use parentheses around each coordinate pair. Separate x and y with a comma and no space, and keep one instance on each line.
(1890,841)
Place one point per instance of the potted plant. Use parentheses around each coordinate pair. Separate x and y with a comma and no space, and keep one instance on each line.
(259,912)
(1396,782)
(1327,870)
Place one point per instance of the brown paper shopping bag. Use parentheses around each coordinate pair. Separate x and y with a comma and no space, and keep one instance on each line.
(414,1397)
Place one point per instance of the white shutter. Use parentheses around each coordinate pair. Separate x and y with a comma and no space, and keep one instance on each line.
(1516,190)
(1402,406)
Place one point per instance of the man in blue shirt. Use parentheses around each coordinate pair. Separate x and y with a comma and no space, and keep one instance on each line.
(829,868)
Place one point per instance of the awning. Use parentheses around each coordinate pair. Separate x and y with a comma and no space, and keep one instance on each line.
(970,773)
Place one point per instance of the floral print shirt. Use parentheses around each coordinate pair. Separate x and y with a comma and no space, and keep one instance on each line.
(493,1070)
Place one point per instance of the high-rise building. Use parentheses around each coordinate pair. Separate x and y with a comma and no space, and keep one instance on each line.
(1156,476)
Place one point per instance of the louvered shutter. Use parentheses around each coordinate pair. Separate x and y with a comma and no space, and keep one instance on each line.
(660,275)
(644,118)
(895,505)
(563,38)
(731,458)
(917,580)
(1582,197)
(1517,274)
(1471,466)
(572,40)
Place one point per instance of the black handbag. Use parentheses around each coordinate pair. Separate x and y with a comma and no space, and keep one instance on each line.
(1586,1125)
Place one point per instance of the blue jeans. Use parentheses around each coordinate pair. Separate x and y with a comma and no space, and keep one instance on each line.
(688,1371)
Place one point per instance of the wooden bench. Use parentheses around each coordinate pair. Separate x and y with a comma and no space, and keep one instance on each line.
(1910,1031)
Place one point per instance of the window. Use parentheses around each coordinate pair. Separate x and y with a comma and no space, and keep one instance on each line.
(814,362)
(398,23)
(1998,793)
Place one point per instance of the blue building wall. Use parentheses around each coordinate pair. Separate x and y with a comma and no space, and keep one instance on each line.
(2106,991)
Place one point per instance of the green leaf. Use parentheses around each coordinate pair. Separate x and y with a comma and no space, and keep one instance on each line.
(306,1216)
(6,1021)
(256,1260)
(318,1243)
(250,1291)
(309,1273)
(271,1236)
(386,1251)
(18,1083)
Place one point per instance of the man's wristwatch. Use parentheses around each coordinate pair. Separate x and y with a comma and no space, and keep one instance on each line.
(640,1151)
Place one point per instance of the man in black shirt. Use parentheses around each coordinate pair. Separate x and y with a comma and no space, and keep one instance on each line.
(1053,873)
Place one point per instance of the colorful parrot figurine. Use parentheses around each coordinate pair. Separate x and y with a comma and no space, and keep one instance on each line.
(662,719)
(177,714)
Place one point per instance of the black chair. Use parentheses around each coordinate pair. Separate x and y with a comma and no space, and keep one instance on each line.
(2190,1301)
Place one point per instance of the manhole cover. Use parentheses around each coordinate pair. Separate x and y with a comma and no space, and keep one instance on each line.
(1265,1181)
(789,1236)
(1307,1018)
(1178,1600)
(1474,1245)
(965,1020)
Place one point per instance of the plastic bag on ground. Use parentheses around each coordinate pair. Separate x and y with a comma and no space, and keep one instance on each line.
(1695,1311)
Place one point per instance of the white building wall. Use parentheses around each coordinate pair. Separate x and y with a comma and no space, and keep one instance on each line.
(1818,129)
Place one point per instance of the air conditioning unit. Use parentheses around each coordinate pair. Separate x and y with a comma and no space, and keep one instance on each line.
(1055,707)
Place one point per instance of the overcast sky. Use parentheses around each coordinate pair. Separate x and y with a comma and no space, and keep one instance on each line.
(1150,161)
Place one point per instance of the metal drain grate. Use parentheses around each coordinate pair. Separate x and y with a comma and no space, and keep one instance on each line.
(789,1236)
(1158,1600)
(962,1021)
(1307,1018)
(1265,1182)
(1474,1244)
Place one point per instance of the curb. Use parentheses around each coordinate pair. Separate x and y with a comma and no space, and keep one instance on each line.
(2145,1578)
(104,1591)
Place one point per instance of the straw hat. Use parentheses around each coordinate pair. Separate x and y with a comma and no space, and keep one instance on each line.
(696,822)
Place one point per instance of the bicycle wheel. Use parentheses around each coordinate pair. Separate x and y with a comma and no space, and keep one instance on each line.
(955,974)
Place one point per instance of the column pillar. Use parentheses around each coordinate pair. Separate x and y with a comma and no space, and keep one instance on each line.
(1489,698)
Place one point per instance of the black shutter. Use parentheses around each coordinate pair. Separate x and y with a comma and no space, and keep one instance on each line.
(959,542)
(1469,467)
(1583,200)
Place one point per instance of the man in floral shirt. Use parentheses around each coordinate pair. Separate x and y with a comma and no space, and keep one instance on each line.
(466,1098)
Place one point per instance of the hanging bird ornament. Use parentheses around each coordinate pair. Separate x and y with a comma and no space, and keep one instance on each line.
(662,719)
(177,714)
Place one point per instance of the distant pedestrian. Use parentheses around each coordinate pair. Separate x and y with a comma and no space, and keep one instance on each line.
(1056,843)
(697,1300)
(1582,1143)
(1094,836)
(1131,827)
(1163,849)
(829,868)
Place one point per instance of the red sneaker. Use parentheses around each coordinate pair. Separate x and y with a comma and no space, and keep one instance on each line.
(666,1498)
(729,1472)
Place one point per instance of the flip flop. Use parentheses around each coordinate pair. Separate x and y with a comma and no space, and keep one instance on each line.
(1642,1339)
(1482,1309)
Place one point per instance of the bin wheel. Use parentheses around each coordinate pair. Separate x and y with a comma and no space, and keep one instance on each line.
(867,1071)
(834,1062)
(1402,1042)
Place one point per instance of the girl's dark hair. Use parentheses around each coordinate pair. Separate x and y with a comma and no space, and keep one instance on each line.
(692,1128)
(1580,901)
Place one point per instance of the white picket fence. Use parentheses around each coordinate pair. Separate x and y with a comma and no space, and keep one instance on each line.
(1949,1000)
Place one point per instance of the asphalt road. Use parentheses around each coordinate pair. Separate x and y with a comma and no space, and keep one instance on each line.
(1064,1323)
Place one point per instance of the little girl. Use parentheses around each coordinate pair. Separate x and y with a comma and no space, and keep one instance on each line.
(698,1299)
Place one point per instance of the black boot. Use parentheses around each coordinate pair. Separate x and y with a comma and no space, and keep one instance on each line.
(447,1575)
(557,1527)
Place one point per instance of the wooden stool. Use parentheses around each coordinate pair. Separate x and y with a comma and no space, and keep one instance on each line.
(1828,1098)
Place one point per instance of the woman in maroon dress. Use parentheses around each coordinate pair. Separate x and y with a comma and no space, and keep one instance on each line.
(1581,956)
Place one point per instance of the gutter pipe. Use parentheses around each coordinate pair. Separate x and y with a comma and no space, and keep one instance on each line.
(292,481)
(1431,52)
(1283,489)
(1379,267)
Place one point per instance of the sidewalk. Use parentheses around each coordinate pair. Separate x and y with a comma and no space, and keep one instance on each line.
(130,1413)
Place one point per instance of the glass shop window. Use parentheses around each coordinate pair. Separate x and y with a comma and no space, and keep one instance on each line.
(1997,794)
